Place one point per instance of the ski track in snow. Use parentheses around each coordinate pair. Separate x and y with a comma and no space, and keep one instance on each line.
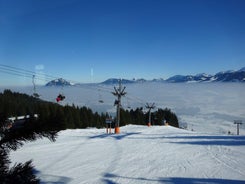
(139,154)
(219,154)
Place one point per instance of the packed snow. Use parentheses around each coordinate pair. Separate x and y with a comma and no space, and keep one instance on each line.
(139,154)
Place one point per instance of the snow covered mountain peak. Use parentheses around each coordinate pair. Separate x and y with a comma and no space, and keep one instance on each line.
(242,69)
(59,82)
(202,75)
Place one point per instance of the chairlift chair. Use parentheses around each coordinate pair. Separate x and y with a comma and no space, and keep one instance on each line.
(100,97)
(128,104)
(36,95)
(60,97)
(101,101)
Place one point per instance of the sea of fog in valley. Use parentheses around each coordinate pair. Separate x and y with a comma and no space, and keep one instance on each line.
(204,107)
(141,154)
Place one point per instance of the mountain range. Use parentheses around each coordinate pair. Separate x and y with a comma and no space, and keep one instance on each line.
(227,76)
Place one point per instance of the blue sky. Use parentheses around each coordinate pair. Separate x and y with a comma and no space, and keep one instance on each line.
(93,40)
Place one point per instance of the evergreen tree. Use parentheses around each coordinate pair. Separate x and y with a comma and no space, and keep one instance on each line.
(165,115)
(46,125)
(76,117)
(84,117)
(13,138)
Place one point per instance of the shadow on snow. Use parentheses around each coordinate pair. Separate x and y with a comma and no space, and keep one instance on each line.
(199,140)
(51,179)
(212,140)
(108,179)
(115,136)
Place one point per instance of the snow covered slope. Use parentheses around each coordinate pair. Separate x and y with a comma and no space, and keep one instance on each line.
(139,154)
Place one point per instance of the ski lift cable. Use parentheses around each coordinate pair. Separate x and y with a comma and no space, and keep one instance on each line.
(29,74)
(102,88)
(129,96)
(40,76)
(15,72)
(12,73)
(20,74)
(44,77)
(16,69)
(26,73)
(142,102)
(96,88)
(133,98)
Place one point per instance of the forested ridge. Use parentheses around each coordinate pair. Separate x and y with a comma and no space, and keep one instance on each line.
(63,117)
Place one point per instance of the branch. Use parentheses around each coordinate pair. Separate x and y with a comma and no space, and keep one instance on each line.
(29,131)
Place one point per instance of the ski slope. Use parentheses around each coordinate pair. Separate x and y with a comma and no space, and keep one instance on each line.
(139,154)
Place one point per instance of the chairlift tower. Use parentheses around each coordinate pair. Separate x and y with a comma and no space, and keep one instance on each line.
(150,106)
(119,92)
(35,94)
